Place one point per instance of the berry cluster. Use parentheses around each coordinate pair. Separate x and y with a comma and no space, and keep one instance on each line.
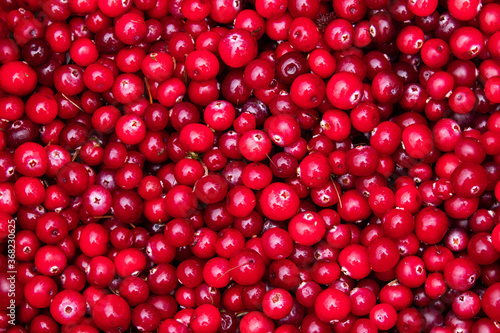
(256,166)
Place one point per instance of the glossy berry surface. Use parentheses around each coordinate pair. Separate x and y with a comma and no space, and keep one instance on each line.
(199,166)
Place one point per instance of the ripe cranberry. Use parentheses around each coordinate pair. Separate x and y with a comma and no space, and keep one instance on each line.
(362,161)
(410,271)
(256,321)
(431,225)
(481,249)
(231,48)
(354,261)
(384,316)
(336,125)
(490,300)
(435,53)
(15,83)
(205,318)
(354,206)
(461,274)
(385,108)
(196,138)
(418,141)
(307,91)
(387,87)
(247,267)
(68,79)
(130,129)
(466,42)
(240,201)
(31,159)
(146,317)
(73,178)
(84,52)
(117,315)
(279,202)
(127,88)
(277,303)
(332,304)
(304,34)
(40,291)
(491,88)
(307,228)
(344,98)
(68,307)
(382,254)
(51,228)
(277,243)
(50,260)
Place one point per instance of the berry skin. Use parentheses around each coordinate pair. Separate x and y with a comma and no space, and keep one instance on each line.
(307,228)
(31,159)
(344,90)
(68,307)
(238,48)
(117,315)
(332,304)
(490,301)
(20,79)
(263,166)
(279,202)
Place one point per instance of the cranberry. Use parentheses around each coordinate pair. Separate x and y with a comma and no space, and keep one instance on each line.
(277,243)
(382,254)
(40,291)
(24,84)
(490,300)
(332,304)
(232,45)
(336,125)
(68,307)
(278,201)
(387,87)
(304,34)
(354,261)
(117,316)
(362,161)
(50,260)
(247,267)
(461,274)
(308,91)
(417,139)
(190,166)
(466,42)
(344,98)
(256,321)
(307,228)
(384,316)
(431,219)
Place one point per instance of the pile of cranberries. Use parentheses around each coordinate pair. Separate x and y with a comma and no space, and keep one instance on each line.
(252,166)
